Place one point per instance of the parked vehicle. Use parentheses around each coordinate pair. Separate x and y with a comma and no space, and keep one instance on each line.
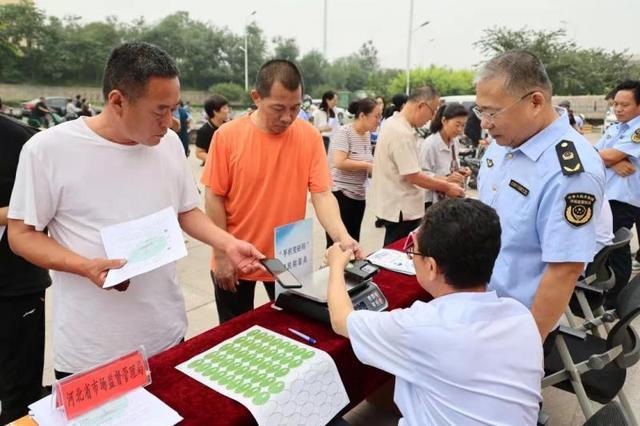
(609,119)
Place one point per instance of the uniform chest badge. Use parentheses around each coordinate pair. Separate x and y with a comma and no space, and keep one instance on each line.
(635,137)
(579,208)
(489,162)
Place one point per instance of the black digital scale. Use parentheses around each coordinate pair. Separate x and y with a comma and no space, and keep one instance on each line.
(311,299)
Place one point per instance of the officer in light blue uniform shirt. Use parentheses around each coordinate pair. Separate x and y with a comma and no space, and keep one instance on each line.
(545,181)
(620,150)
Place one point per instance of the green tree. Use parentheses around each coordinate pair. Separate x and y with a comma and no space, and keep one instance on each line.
(445,80)
(314,70)
(285,48)
(232,91)
(572,70)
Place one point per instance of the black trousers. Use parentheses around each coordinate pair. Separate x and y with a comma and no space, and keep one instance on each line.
(326,140)
(624,215)
(21,353)
(351,212)
(230,304)
(396,230)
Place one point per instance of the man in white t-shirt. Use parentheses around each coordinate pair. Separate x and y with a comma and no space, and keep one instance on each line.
(84,175)
(468,357)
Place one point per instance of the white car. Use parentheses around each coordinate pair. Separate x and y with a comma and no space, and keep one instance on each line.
(609,119)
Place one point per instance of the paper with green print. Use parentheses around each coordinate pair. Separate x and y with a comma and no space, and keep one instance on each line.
(280,380)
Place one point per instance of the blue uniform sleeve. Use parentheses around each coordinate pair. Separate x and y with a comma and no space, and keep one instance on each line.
(627,146)
(379,339)
(566,221)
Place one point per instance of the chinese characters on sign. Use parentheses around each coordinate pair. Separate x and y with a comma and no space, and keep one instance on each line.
(83,392)
(293,247)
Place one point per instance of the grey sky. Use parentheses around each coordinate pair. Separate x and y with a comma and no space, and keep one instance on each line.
(455,24)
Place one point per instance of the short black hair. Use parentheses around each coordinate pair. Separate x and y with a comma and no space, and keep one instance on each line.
(285,72)
(632,85)
(447,111)
(362,106)
(131,65)
(463,236)
(213,104)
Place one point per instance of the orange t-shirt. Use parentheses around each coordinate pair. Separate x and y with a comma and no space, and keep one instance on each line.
(264,179)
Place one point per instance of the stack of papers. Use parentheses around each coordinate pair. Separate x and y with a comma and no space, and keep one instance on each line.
(138,407)
(393,260)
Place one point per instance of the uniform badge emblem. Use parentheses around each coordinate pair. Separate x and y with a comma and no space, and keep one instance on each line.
(578,209)
(519,187)
(489,162)
(635,137)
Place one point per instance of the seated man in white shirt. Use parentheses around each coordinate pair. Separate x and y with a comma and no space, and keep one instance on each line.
(467,357)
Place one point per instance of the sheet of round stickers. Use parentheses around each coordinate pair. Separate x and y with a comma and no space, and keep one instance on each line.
(268,373)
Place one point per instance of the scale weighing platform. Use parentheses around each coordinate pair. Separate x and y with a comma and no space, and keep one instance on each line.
(311,299)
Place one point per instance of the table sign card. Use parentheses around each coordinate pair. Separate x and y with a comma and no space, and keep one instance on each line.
(293,246)
(85,391)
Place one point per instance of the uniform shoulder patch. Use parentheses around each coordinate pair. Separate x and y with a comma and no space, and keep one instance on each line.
(489,162)
(635,137)
(578,209)
(568,157)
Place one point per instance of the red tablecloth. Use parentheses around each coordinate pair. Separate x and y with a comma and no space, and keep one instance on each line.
(200,405)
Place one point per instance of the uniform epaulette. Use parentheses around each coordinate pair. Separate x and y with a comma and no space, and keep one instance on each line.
(569,159)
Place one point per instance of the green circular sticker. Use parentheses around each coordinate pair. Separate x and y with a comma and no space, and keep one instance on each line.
(216,374)
(194,364)
(254,333)
(295,362)
(308,353)
(267,381)
(249,393)
(234,384)
(200,368)
(243,387)
(286,360)
(281,372)
(261,398)
(242,340)
(276,387)
(226,347)
(224,379)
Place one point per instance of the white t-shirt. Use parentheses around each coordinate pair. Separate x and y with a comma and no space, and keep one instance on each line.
(436,159)
(75,182)
(461,359)
(322,119)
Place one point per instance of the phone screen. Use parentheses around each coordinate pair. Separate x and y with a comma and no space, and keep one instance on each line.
(280,272)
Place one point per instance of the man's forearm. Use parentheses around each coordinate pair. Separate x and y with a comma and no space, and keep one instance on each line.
(3,215)
(339,302)
(214,208)
(43,251)
(426,181)
(199,226)
(611,156)
(554,293)
(328,213)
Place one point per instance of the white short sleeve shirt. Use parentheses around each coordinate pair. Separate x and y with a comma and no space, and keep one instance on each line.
(74,182)
(461,359)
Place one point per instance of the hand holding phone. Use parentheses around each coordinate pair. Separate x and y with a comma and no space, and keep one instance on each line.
(280,272)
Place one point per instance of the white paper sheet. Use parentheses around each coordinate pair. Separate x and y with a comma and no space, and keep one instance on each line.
(147,243)
(2,228)
(280,380)
(138,407)
(393,260)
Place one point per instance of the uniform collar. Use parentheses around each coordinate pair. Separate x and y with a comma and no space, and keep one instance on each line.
(631,124)
(550,135)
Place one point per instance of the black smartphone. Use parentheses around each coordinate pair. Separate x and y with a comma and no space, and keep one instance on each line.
(280,272)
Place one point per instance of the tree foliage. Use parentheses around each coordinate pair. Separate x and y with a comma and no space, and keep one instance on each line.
(572,70)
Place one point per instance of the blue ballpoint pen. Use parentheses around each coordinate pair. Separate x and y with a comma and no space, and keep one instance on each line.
(303,336)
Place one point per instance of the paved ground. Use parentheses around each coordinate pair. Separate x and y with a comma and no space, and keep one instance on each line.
(201,311)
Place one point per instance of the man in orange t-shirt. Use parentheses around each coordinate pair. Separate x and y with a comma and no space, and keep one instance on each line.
(257,174)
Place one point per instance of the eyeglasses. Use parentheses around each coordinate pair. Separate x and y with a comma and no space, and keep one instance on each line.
(490,116)
(410,243)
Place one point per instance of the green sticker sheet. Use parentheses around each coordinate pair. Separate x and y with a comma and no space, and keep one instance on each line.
(280,380)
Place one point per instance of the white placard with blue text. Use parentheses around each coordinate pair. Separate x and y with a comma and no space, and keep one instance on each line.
(293,246)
